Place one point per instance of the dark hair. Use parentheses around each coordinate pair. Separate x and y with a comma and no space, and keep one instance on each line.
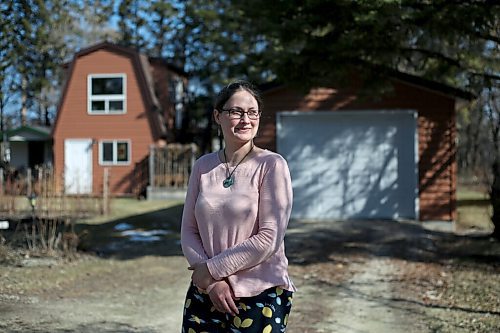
(229,90)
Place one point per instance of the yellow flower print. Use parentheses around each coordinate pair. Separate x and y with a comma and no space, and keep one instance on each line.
(267,329)
(246,323)
(243,324)
(244,306)
(196,319)
(279,291)
(267,312)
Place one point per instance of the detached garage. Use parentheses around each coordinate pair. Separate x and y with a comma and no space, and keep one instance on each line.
(361,155)
(389,158)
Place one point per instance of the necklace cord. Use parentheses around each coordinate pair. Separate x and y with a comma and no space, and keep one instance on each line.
(230,174)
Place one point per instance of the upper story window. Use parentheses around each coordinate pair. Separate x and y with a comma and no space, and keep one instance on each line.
(107,93)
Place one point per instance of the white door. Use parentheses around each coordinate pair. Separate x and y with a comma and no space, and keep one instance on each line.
(78,166)
(352,164)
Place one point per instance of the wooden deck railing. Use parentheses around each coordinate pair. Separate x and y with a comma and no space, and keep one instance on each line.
(170,166)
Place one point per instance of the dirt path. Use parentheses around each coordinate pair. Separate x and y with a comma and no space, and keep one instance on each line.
(353,277)
(365,303)
(146,295)
(139,295)
(366,297)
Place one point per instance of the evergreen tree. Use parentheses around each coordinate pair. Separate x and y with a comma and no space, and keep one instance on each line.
(132,24)
(316,42)
(90,23)
(6,61)
(163,25)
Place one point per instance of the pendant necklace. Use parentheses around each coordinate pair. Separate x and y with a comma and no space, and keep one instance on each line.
(230,179)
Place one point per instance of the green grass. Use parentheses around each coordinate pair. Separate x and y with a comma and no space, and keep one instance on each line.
(466,193)
(474,209)
(126,207)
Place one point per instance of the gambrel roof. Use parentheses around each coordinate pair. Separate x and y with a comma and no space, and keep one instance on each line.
(143,66)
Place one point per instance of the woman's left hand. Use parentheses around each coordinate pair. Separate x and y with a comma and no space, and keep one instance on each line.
(201,275)
(222,298)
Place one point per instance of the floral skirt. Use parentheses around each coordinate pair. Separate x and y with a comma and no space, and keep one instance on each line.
(265,313)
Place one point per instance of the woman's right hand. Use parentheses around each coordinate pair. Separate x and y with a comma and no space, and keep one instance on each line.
(222,297)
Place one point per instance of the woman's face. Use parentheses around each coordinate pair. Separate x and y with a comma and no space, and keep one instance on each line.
(238,130)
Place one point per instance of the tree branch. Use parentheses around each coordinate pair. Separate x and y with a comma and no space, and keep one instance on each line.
(433,54)
(487,37)
(486,76)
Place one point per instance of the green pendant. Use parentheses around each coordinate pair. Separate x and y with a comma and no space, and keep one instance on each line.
(228,182)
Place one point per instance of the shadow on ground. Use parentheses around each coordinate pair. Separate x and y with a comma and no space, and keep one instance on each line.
(158,233)
(153,233)
(316,242)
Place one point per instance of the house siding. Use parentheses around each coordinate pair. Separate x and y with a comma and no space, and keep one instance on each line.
(75,122)
(436,133)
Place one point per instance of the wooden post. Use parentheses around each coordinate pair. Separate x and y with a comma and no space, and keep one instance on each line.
(2,180)
(152,166)
(105,192)
(40,181)
(29,182)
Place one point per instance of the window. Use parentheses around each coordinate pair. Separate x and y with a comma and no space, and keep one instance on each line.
(106,93)
(114,152)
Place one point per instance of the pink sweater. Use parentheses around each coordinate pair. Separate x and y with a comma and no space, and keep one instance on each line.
(239,230)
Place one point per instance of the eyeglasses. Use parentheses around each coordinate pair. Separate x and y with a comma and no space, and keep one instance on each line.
(238,113)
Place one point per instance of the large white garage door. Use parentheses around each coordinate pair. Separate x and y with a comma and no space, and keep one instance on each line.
(352,164)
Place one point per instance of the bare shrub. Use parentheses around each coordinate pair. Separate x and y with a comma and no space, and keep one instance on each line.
(42,236)
(7,254)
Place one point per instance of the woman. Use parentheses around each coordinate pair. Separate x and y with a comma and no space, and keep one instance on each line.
(235,215)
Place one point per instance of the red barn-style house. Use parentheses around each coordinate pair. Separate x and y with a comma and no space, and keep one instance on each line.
(116,103)
(393,157)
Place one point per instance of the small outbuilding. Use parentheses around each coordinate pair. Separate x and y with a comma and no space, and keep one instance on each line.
(26,147)
(389,157)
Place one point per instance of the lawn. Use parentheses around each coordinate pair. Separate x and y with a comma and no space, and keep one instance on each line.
(473,207)
(125,207)
(473,210)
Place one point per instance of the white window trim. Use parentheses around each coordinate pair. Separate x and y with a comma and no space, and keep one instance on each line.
(115,148)
(106,98)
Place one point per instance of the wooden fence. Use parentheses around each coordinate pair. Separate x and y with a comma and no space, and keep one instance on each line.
(165,170)
(34,193)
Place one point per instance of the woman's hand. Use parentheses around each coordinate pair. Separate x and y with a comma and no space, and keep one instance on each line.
(201,275)
(222,297)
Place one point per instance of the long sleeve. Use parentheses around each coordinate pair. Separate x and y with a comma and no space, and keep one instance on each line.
(190,236)
(274,208)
